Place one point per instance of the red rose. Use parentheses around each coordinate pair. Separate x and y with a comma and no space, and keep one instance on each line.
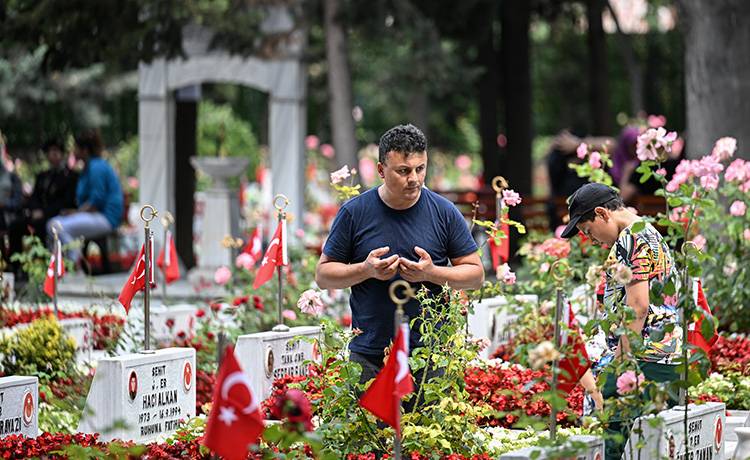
(200,313)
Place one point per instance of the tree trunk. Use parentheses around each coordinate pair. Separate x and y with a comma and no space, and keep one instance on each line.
(717,73)
(598,87)
(487,60)
(339,87)
(185,125)
(634,69)
(419,108)
(516,67)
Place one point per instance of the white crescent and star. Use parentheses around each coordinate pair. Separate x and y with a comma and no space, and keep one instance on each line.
(239,378)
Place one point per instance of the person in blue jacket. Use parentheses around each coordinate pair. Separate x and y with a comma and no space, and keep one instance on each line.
(98,197)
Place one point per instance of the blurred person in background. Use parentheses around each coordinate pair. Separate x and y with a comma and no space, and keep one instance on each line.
(11,197)
(98,196)
(54,193)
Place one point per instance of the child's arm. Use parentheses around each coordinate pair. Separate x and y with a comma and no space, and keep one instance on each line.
(589,384)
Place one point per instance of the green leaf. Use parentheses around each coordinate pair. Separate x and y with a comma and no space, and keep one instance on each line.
(708,328)
(638,226)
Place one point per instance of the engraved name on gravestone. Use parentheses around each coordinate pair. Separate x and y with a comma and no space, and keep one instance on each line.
(589,448)
(148,393)
(266,356)
(706,434)
(19,406)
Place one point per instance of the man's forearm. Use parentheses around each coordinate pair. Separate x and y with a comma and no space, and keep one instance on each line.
(338,275)
(466,276)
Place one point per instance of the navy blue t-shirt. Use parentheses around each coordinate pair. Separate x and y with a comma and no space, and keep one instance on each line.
(365,223)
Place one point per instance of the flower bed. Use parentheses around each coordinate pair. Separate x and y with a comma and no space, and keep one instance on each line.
(515,392)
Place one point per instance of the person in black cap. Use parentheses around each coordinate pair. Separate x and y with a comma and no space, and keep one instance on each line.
(635,261)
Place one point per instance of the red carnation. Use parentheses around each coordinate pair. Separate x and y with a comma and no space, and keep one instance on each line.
(295,407)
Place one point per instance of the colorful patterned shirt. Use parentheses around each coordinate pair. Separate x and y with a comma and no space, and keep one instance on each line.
(649,258)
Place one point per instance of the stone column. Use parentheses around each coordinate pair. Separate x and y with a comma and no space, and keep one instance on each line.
(156,139)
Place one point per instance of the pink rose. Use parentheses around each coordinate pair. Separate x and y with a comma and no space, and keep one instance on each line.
(339,175)
(327,150)
(510,278)
(700,242)
(661,171)
(629,382)
(245,261)
(746,234)
(311,303)
(367,169)
(738,208)
(595,160)
(656,121)
(582,150)
(289,314)
(710,182)
(511,198)
(463,162)
(724,148)
(222,275)
(312,142)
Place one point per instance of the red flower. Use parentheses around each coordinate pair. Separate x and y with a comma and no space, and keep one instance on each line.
(170,323)
(345,320)
(295,407)
(258,303)
(200,313)
(240,300)
(215,306)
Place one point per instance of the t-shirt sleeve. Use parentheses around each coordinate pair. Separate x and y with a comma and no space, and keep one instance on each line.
(460,241)
(339,243)
(639,259)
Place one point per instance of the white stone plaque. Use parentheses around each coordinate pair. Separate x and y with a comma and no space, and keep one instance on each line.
(593,450)
(19,406)
(492,319)
(141,397)
(706,434)
(82,331)
(266,356)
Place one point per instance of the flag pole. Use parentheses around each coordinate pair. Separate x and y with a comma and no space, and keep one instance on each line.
(57,252)
(166,220)
(147,273)
(281,327)
(398,320)
(560,272)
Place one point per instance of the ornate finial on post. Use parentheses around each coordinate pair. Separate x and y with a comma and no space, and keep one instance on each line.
(147,250)
(560,272)
(280,202)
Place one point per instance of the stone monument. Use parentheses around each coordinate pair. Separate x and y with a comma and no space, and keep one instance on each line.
(666,439)
(141,397)
(593,449)
(19,406)
(266,356)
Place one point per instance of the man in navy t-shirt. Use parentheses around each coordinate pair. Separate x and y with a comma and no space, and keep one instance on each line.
(399,230)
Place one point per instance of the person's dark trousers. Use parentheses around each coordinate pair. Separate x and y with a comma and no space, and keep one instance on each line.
(371,365)
(622,425)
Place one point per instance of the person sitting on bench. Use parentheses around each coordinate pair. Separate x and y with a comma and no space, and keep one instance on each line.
(98,195)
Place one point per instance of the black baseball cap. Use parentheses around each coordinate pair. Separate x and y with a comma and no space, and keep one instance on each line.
(585,199)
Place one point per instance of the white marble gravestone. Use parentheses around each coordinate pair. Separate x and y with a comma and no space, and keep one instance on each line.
(19,406)
(706,434)
(492,317)
(266,356)
(594,450)
(82,331)
(141,397)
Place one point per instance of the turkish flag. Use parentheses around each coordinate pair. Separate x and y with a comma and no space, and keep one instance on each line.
(56,264)
(575,361)
(695,336)
(167,260)
(254,245)
(234,422)
(275,256)
(393,382)
(136,281)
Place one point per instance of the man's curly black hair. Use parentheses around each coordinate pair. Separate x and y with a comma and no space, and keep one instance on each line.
(404,139)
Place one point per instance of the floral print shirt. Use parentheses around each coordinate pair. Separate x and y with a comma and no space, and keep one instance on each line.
(649,258)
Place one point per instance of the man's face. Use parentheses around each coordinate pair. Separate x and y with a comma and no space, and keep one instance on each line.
(54,156)
(404,176)
(601,230)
